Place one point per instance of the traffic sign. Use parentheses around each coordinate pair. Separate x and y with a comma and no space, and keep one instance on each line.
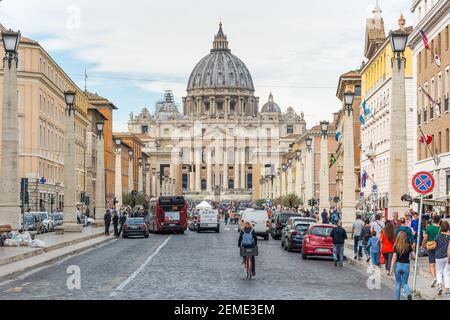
(423,182)
(42,180)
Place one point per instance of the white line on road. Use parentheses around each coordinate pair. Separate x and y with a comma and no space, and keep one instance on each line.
(139,270)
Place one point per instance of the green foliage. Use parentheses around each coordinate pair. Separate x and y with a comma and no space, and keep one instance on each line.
(127,199)
(260,202)
(291,200)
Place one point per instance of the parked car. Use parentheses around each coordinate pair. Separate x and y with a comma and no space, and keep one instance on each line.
(290,223)
(135,227)
(208,220)
(259,220)
(33,222)
(46,221)
(279,222)
(54,218)
(317,241)
(293,239)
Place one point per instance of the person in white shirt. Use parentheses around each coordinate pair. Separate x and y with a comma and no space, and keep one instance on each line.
(377,225)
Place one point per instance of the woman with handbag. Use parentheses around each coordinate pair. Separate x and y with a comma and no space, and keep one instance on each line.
(387,246)
(430,245)
(442,265)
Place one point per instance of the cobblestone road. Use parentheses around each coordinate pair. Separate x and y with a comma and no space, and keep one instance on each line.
(192,266)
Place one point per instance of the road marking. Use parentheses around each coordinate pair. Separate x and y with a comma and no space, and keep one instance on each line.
(227,229)
(139,270)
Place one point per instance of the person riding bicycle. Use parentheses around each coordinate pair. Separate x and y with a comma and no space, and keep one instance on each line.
(248,239)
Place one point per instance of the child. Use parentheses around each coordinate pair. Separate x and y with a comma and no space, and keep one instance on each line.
(374,249)
(365,236)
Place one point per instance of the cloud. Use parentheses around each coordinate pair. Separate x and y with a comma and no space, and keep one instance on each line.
(288,46)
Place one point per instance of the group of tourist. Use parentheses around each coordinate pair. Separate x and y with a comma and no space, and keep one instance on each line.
(393,243)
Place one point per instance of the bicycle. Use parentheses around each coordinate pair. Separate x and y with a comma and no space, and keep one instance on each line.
(248,253)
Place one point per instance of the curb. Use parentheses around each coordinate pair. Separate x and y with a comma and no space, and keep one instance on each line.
(57,258)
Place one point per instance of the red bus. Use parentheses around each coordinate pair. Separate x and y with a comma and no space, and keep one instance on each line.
(167,214)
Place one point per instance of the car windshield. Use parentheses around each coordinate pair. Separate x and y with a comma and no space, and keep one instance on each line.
(321,231)
(301,227)
(135,221)
(28,218)
(43,216)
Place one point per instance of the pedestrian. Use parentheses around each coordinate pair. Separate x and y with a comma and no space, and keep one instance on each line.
(377,225)
(430,245)
(122,220)
(401,264)
(226,217)
(395,220)
(374,244)
(357,228)
(325,216)
(387,245)
(442,259)
(403,227)
(107,219)
(415,228)
(115,221)
(365,237)
(339,236)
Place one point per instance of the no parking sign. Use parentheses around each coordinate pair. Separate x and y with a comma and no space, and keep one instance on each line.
(423,182)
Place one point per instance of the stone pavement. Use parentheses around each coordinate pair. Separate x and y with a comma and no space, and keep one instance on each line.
(423,275)
(16,260)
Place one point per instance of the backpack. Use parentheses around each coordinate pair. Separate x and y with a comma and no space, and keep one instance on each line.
(247,240)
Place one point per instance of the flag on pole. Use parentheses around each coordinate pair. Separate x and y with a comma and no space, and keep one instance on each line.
(425,40)
(437,60)
(332,160)
(338,135)
(362,120)
(426,139)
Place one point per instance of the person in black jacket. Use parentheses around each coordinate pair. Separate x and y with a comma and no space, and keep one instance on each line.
(244,235)
(122,220)
(339,236)
(107,219)
(115,221)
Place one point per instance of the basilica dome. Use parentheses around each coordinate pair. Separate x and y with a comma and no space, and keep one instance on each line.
(271,106)
(220,69)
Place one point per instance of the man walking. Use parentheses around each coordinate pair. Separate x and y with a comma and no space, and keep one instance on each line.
(115,221)
(358,225)
(339,236)
(122,220)
(324,216)
(107,219)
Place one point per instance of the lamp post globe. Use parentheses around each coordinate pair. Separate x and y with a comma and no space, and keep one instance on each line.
(324,127)
(99,125)
(69,97)
(309,143)
(399,40)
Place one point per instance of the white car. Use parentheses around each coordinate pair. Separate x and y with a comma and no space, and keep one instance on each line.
(47,221)
(260,221)
(208,220)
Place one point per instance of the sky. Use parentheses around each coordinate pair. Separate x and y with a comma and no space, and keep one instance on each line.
(134,50)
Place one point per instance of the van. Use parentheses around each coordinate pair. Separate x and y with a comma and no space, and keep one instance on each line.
(208,220)
(259,220)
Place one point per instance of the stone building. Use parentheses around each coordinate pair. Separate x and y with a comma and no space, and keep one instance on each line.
(221,144)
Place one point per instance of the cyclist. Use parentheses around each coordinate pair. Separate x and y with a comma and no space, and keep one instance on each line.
(248,239)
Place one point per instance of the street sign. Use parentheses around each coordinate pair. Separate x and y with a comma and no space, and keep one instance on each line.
(423,182)
(42,180)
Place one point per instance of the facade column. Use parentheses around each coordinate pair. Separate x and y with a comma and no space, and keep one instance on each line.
(398,164)
(70,201)
(309,175)
(158,185)
(324,202)
(198,168)
(209,171)
(236,169)
(191,171)
(225,169)
(243,169)
(154,191)
(227,106)
(100,195)
(118,178)
(130,175)
(349,183)
(10,211)
(298,178)
(290,180)
(148,184)
(140,179)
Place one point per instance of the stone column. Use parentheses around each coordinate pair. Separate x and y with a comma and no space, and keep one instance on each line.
(225,169)
(208,171)
(100,194)
(118,178)
(243,169)
(212,106)
(290,180)
(324,177)
(140,179)
(10,211)
(154,191)
(349,182)
(309,175)
(70,191)
(198,168)
(158,186)
(149,188)
(191,172)
(298,180)
(398,162)
(236,168)
(227,106)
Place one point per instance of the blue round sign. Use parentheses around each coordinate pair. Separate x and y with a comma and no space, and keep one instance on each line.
(423,182)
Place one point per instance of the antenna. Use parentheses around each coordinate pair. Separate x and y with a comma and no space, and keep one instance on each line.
(85,78)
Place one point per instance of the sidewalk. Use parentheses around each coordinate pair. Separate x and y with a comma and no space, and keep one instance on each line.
(424,278)
(16,260)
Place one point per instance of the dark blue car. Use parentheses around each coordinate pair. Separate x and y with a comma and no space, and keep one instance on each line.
(293,239)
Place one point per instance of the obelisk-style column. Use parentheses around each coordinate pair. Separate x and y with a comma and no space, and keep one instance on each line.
(349,182)
(118,178)
(70,191)
(10,211)
(100,194)
(324,177)
(398,162)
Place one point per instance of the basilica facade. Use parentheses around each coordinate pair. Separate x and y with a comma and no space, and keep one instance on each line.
(220,145)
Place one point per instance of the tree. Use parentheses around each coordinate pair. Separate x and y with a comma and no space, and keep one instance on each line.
(260,202)
(291,201)
(139,199)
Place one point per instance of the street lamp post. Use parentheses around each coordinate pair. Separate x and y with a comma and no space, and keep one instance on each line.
(100,195)
(130,170)
(309,190)
(153,192)
(349,179)
(140,176)
(118,173)
(324,170)
(298,173)
(70,201)
(10,210)
(147,179)
(398,162)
